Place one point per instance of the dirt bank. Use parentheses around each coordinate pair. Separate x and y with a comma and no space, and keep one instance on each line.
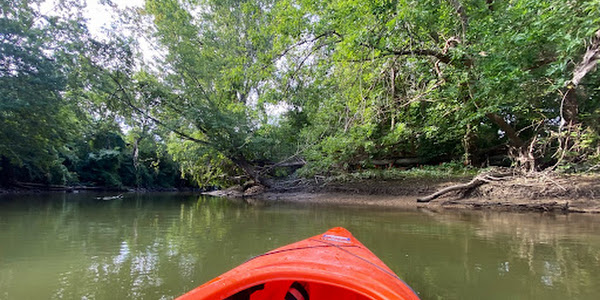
(532,193)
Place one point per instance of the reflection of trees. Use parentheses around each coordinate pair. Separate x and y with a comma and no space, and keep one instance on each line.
(150,246)
(553,246)
(161,249)
(555,251)
(138,247)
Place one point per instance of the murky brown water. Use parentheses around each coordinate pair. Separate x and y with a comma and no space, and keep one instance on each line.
(73,246)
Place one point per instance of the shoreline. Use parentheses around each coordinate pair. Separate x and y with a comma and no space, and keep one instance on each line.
(410,203)
(561,194)
(544,193)
(102,190)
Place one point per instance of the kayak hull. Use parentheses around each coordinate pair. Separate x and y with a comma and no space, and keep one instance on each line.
(330,265)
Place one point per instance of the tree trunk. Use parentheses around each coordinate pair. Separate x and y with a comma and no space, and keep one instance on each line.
(469,146)
(490,4)
(7,172)
(513,138)
(243,164)
(136,162)
(569,105)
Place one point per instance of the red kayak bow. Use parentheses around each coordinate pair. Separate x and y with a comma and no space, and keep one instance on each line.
(333,265)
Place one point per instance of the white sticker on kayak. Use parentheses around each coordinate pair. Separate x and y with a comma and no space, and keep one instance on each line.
(336,238)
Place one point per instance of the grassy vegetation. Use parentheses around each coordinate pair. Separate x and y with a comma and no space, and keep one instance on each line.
(444,171)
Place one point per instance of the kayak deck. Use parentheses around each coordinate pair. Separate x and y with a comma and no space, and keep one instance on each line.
(333,265)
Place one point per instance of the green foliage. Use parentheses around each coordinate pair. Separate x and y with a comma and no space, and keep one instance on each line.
(444,171)
(109,158)
(56,114)
(204,166)
(421,78)
(210,90)
(241,85)
(34,120)
(580,152)
(102,167)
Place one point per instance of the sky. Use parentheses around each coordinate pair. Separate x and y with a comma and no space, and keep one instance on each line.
(99,19)
(99,16)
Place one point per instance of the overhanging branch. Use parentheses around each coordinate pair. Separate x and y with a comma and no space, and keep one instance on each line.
(129,103)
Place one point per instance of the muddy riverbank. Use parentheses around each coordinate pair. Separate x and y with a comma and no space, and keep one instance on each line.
(545,193)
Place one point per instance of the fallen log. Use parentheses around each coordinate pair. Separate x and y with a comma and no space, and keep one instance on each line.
(466,187)
(543,206)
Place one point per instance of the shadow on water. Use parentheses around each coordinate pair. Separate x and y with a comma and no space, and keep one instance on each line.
(161,245)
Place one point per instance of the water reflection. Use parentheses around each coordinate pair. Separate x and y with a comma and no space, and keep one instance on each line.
(159,246)
(535,255)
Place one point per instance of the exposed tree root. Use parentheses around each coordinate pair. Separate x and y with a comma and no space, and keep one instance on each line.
(466,188)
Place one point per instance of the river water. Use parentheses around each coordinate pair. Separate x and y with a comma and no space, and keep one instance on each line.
(158,246)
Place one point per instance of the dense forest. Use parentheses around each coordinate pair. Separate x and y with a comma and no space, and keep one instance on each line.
(204,92)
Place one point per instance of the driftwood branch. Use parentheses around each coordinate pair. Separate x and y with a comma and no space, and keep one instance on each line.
(466,187)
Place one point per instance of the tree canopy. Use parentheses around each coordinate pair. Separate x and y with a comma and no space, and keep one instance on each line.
(244,88)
